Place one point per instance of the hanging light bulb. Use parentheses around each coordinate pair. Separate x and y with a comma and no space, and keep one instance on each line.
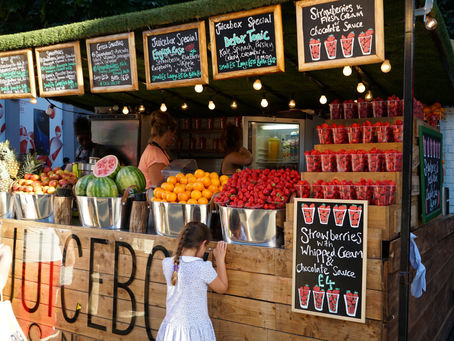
(33,100)
(347,71)
(125,110)
(115,107)
(360,87)
(234,105)
(141,108)
(385,66)
(211,105)
(184,106)
(369,96)
(257,84)
(198,88)
(291,104)
(264,102)
(430,23)
(163,107)
(323,99)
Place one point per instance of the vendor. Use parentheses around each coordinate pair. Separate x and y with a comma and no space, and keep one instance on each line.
(235,155)
(155,157)
(87,148)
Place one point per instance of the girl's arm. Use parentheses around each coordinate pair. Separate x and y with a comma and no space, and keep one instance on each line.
(220,284)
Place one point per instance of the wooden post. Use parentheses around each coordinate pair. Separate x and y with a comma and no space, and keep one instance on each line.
(139,217)
(63,210)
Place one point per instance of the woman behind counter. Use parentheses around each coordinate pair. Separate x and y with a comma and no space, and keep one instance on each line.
(235,155)
(155,157)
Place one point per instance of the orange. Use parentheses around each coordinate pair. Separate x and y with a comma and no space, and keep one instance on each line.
(190,187)
(202,201)
(214,175)
(224,182)
(223,178)
(182,202)
(172,180)
(179,189)
(155,199)
(183,180)
(206,181)
(207,194)
(164,196)
(167,186)
(191,179)
(198,186)
(183,196)
(213,189)
(199,173)
(189,175)
(192,201)
(195,194)
(171,197)
(179,176)
(215,181)
(157,193)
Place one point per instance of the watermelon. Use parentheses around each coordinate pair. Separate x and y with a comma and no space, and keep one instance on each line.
(130,176)
(82,183)
(107,166)
(102,187)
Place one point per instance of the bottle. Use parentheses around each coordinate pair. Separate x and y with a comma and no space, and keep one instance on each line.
(274,145)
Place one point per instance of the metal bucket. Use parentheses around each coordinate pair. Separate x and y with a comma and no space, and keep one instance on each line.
(84,168)
(100,212)
(34,206)
(170,218)
(251,226)
(6,205)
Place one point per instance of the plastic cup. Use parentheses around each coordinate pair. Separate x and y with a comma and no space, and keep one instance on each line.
(393,162)
(365,109)
(347,192)
(350,110)
(398,132)
(317,191)
(328,162)
(355,134)
(384,134)
(331,192)
(303,191)
(369,134)
(314,163)
(395,107)
(359,162)
(379,108)
(383,194)
(375,162)
(336,111)
(340,135)
(364,192)
(344,162)
(325,135)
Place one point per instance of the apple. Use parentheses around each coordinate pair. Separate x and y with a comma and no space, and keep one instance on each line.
(45,188)
(51,190)
(46,169)
(28,182)
(34,177)
(27,176)
(63,182)
(53,183)
(28,189)
(55,177)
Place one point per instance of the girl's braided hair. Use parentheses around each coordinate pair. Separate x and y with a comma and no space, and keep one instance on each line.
(192,236)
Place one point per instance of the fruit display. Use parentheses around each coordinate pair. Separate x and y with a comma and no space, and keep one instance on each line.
(340,135)
(303,189)
(130,176)
(313,160)
(364,108)
(257,188)
(195,189)
(336,110)
(433,114)
(350,109)
(102,187)
(9,166)
(81,186)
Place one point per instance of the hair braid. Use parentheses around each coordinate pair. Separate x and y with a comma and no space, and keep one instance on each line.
(176,260)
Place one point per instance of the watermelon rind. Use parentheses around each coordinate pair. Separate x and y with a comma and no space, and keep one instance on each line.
(130,176)
(107,166)
(102,188)
(81,186)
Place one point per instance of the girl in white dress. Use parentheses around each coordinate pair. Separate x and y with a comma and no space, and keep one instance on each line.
(188,277)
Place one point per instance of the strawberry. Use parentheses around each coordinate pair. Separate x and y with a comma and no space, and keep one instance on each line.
(398,131)
(369,134)
(339,133)
(359,161)
(364,108)
(336,110)
(355,133)
(379,107)
(393,160)
(395,106)
(325,134)
(375,160)
(313,161)
(344,161)
(350,109)
(328,161)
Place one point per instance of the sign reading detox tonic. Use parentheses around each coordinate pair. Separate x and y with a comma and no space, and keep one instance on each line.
(329,258)
(338,33)
(60,70)
(176,56)
(247,43)
(112,63)
(17,78)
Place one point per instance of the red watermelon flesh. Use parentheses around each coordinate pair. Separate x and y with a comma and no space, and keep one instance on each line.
(107,166)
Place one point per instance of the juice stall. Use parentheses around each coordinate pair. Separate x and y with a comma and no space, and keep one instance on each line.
(314,227)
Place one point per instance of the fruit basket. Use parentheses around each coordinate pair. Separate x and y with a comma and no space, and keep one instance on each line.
(37,207)
(100,212)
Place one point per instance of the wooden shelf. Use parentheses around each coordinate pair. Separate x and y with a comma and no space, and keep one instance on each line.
(362,120)
(359,146)
(201,131)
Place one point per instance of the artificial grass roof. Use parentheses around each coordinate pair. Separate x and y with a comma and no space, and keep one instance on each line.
(434,62)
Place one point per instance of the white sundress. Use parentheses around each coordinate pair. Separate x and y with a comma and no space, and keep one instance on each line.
(186,303)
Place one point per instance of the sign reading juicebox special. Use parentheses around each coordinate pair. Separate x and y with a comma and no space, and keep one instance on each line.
(330,258)
(339,33)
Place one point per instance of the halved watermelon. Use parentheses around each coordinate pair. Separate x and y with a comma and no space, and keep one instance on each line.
(102,187)
(82,183)
(130,176)
(107,166)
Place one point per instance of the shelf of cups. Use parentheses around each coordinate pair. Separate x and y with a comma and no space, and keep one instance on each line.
(359,146)
(348,122)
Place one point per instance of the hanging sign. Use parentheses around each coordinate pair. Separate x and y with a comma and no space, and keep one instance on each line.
(176,56)
(338,33)
(247,43)
(330,258)
(430,155)
(112,63)
(60,70)
(17,78)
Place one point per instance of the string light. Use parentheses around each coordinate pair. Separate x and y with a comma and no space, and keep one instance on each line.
(323,99)
(141,108)
(264,102)
(115,107)
(291,104)
(163,107)
(184,106)
(385,66)
(211,105)
(369,96)
(198,88)
(360,87)
(234,105)
(33,100)
(347,71)
(125,110)
(430,23)
(257,84)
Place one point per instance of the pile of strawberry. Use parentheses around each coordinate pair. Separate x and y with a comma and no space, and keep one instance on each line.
(257,188)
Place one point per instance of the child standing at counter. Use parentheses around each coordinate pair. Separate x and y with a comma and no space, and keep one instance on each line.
(188,277)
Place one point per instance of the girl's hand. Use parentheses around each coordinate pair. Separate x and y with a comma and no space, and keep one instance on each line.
(219,251)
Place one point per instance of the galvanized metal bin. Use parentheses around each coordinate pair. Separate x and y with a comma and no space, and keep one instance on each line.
(100,212)
(6,205)
(39,207)
(249,226)
(170,218)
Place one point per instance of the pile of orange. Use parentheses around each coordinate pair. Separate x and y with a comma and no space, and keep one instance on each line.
(197,188)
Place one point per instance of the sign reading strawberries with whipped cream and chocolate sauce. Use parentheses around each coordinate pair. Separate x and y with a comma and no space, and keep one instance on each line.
(329,258)
(339,33)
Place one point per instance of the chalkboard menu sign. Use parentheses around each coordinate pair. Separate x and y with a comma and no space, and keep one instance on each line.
(430,155)
(330,258)
(247,43)
(176,56)
(112,63)
(336,33)
(17,77)
(60,70)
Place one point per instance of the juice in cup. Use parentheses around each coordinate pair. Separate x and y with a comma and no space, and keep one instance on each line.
(274,146)
(319,296)
(333,300)
(323,214)
(339,214)
(351,302)
(308,213)
(354,214)
(304,294)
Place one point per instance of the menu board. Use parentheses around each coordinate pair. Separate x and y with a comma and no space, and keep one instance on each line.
(330,258)
(247,43)
(430,155)
(60,70)
(112,63)
(176,56)
(336,33)
(17,77)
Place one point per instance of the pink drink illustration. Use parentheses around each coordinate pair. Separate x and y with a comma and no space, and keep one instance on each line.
(354,213)
(351,302)
(365,41)
(339,214)
(333,300)
(319,296)
(308,213)
(323,213)
(347,44)
(314,45)
(330,46)
(304,293)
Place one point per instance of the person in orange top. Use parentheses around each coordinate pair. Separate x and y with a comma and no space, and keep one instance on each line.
(154,158)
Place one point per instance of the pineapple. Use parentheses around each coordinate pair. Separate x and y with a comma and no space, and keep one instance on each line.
(5,179)
(8,155)
(30,165)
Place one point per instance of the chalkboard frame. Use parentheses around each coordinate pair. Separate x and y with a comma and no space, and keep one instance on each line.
(364,261)
(423,130)
(379,55)
(79,73)
(31,74)
(280,63)
(132,62)
(204,79)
